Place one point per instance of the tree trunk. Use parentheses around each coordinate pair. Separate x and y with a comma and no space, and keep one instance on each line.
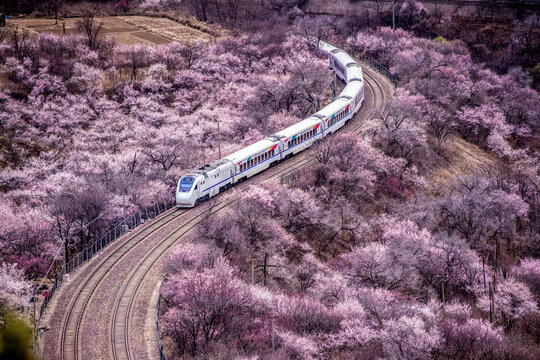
(265,268)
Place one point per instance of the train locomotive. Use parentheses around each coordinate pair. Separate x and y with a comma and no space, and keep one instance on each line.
(202,184)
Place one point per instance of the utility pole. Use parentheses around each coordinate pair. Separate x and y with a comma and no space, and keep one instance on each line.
(335,87)
(273,342)
(219,140)
(203,157)
(253,270)
(393,16)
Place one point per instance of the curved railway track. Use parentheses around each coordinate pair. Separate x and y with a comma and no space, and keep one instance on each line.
(144,247)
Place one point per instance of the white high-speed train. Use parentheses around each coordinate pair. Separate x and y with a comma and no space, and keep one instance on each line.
(202,184)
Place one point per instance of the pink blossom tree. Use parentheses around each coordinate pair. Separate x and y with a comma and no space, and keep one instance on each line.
(511,302)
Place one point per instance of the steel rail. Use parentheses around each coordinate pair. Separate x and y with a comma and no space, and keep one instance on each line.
(69,342)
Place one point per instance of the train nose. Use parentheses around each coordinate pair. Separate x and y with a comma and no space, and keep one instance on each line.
(184,200)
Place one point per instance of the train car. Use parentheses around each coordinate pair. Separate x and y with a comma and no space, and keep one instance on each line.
(255,158)
(301,135)
(354,91)
(336,114)
(338,66)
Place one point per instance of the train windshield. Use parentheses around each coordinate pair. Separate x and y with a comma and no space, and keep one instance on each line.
(186,183)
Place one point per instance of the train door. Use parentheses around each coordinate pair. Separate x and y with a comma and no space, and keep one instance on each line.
(197,189)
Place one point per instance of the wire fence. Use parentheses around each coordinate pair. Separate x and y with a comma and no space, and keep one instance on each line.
(377,66)
(125,225)
(161,353)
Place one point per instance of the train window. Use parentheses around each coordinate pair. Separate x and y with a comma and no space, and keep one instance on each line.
(186,183)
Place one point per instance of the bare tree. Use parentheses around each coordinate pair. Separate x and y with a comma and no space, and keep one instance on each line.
(92,28)
(323,150)
(20,40)
(201,8)
(54,6)
(62,210)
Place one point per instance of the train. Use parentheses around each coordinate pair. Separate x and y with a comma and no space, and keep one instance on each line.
(206,182)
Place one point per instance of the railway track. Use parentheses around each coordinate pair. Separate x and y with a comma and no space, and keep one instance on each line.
(127,265)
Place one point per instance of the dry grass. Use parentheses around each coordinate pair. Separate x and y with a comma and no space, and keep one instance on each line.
(125,29)
(463,158)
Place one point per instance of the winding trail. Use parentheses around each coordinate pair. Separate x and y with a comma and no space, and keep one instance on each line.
(107,311)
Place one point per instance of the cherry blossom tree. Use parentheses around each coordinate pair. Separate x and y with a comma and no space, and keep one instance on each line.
(480,212)
(528,271)
(397,132)
(512,301)
(15,290)
(204,308)
(409,338)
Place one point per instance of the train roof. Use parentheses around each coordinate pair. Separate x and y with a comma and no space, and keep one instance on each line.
(259,146)
(326,47)
(355,72)
(343,58)
(303,125)
(332,108)
(213,167)
(352,89)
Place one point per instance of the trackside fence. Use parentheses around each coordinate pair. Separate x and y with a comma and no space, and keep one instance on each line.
(161,353)
(375,64)
(120,228)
